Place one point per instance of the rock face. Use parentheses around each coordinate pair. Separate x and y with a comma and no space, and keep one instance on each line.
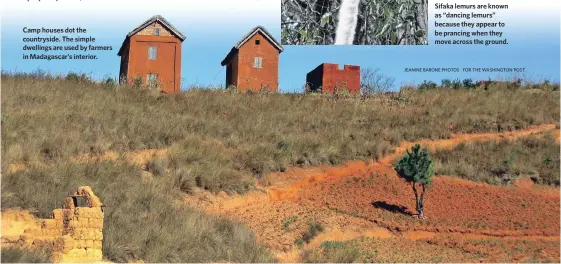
(75,232)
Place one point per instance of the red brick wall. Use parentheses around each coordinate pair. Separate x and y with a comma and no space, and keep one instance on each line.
(348,78)
(252,78)
(167,65)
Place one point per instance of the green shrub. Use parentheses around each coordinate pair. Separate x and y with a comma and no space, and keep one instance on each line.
(416,167)
(78,78)
(137,82)
(427,85)
(288,221)
(109,83)
(313,230)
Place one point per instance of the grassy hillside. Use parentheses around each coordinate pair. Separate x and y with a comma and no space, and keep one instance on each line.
(217,141)
(502,162)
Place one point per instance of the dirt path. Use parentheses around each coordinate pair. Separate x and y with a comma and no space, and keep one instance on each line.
(348,199)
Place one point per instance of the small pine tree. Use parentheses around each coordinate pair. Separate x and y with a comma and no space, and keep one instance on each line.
(416,167)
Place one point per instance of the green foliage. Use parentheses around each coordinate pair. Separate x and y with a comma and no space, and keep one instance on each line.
(416,166)
(288,221)
(427,85)
(468,83)
(384,22)
(232,89)
(78,78)
(137,82)
(314,92)
(313,230)
(547,161)
(508,161)
(341,90)
(456,84)
(109,83)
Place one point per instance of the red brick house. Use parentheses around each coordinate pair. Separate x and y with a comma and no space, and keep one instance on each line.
(152,53)
(328,77)
(253,63)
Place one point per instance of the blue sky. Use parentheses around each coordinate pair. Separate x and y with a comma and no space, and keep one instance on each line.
(534,46)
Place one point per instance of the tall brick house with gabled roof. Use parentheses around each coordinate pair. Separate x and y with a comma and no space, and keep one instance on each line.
(253,63)
(152,53)
(328,77)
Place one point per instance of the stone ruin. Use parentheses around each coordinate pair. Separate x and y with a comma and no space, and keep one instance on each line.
(74,233)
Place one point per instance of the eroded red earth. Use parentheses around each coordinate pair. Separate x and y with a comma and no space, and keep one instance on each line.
(362,200)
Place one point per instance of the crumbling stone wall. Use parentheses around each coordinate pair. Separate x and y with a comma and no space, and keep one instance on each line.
(75,232)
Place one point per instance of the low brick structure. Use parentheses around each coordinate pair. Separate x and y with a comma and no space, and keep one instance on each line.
(75,232)
(328,78)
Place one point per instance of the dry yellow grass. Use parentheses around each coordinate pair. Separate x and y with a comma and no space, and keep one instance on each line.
(215,140)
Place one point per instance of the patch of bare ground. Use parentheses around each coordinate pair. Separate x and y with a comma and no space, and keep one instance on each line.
(366,201)
(280,223)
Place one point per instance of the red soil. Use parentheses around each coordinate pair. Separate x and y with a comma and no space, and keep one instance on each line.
(359,198)
(451,205)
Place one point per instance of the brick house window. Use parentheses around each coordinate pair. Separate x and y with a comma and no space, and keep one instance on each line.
(151,79)
(156,32)
(152,53)
(258,62)
(257,42)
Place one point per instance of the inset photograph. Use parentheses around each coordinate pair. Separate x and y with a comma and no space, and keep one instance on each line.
(354,22)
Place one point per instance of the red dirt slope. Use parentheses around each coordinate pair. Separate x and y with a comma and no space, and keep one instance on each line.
(358,199)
